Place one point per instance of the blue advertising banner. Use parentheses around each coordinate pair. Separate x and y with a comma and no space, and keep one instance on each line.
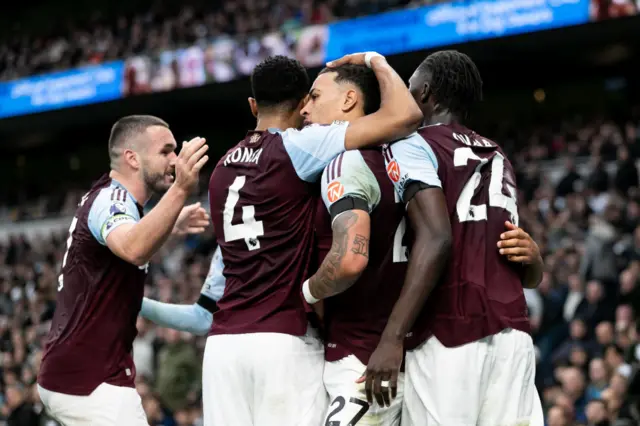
(80,86)
(451,23)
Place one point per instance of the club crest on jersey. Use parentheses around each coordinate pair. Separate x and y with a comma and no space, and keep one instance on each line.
(117,208)
(254,138)
(335,190)
(393,170)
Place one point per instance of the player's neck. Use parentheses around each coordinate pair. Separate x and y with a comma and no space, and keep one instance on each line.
(133,186)
(268,121)
(444,117)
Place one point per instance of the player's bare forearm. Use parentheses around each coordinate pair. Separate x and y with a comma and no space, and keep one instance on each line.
(533,274)
(398,116)
(347,258)
(429,218)
(138,243)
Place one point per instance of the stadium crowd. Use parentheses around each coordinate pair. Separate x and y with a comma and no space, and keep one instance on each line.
(164,26)
(586,219)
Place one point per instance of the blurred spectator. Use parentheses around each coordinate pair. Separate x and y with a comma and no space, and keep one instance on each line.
(18,410)
(179,376)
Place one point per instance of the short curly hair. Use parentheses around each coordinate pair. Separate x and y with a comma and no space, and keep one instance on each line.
(279,81)
(455,80)
(364,79)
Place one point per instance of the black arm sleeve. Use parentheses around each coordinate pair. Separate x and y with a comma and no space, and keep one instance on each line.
(413,188)
(346,204)
(208,303)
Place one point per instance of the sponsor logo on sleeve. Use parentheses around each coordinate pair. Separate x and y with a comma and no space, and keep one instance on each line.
(339,122)
(393,170)
(117,208)
(335,190)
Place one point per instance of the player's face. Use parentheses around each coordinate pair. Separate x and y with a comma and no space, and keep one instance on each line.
(158,160)
(326,100)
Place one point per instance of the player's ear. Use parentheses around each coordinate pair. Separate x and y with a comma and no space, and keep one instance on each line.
(426,92)
(350,100)
(254,106)
(131,158)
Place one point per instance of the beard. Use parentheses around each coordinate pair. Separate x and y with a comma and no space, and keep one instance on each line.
(156,181)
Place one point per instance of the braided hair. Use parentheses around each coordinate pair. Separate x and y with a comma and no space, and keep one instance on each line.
(455,80)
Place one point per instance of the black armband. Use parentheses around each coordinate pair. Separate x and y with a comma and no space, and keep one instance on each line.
(346,204)
(413,188)
(208,303)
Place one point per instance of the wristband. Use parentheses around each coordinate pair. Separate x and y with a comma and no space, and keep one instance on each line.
(369,56)
(306,292)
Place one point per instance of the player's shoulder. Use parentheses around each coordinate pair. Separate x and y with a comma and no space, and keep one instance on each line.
(346,166)
(312,131)
(410,145)
(256,145)
(116,199)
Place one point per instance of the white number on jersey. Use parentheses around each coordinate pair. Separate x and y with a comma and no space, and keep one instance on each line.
(72,228)
(399,251)
(249,229)
(472,212)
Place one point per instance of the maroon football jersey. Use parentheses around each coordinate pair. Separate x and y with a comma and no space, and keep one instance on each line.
(263,216)
(480,292)
(356,318)
(99,297)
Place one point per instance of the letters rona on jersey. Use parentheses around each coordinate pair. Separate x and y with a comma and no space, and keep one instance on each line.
(243,155)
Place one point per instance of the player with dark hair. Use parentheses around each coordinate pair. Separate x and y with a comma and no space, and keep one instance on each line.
(263,365)
(470,359)
(357,283)
(87,373)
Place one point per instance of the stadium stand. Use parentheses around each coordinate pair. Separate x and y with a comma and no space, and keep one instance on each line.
(162,25)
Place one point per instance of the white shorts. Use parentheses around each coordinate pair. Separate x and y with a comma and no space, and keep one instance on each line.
(107,405)
(263,379)
(489,382)
(349,404)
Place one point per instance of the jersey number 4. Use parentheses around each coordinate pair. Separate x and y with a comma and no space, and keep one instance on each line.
(250,229)
(468,212)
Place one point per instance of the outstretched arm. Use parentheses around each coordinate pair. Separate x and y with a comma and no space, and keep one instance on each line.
(192,318)
(198,317)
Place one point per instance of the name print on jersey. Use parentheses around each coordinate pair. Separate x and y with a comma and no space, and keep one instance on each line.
(243,155)
(465,139)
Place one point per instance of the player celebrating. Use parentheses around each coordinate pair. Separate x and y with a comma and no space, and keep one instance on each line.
(360,285)
(198,317)
(469,359)
(262,206)
(87,373)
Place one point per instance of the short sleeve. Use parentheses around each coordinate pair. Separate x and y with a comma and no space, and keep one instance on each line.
(112,207)
(349,176)
(213,287)
(411,160)
(313,147)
